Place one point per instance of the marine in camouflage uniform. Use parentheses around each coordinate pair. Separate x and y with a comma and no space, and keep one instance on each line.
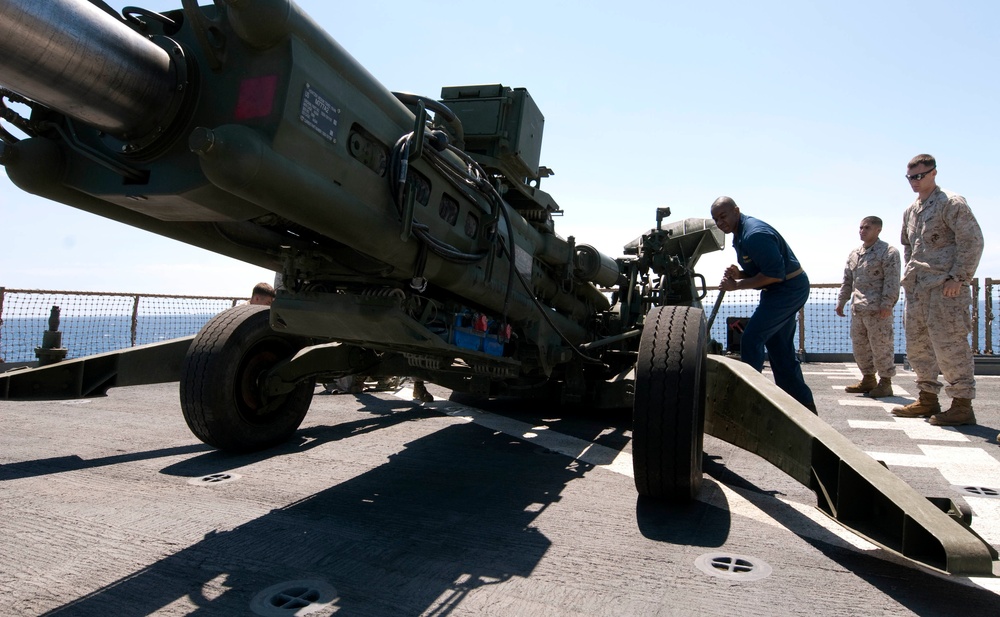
(942,244)
(871,283)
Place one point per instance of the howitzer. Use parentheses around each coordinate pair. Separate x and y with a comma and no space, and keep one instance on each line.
(410,237)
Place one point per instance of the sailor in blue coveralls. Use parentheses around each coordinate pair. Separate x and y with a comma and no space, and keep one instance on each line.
(767,263)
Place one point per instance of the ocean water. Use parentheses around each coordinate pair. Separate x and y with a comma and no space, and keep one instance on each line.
(84,336)
(824,332)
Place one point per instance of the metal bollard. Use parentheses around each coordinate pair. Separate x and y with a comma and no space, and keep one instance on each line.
(51,350)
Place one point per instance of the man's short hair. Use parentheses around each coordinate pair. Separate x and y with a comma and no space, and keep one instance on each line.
(874,220)
(922,159)
(262,289)
(724,201)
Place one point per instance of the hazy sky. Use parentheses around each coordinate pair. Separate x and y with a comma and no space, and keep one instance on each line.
(804,112)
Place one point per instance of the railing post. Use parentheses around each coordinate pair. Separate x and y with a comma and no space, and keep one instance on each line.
(135,317)
(975,315)
(988,297)
(3,290)
(802,334)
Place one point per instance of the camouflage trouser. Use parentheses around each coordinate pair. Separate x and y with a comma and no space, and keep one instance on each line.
(873,343)
(937,340)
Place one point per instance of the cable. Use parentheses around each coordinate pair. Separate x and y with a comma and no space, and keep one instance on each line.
(398,172)
(477,179)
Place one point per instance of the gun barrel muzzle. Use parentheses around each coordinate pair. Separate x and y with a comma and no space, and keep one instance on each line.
(71,56)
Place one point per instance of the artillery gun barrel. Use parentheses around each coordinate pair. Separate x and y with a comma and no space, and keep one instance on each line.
(273,133)
(74,57)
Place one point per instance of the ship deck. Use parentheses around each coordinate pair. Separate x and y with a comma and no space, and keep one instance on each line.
(383,506)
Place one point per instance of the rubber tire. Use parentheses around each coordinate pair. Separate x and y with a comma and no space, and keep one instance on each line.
(668,413)
(219,393)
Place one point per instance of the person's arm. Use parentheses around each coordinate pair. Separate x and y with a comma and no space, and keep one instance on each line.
(764,251)
(757,281)
(754,282)
(890,282)
(904,241)
(846,287)
(968,245)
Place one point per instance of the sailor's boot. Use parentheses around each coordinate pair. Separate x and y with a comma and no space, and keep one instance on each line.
(867,384)
(926,405)
(883,389)
(959,413)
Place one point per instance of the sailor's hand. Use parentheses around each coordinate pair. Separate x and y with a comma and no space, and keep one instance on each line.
(839,310)
(951,288)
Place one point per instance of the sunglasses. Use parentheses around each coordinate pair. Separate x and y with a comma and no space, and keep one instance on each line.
(920,176)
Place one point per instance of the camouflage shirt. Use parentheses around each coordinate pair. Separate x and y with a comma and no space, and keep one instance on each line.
(941,239)
(872,274)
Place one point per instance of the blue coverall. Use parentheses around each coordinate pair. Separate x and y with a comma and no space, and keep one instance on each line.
(761,249)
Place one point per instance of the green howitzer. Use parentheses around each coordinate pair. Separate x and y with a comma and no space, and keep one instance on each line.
(410,236)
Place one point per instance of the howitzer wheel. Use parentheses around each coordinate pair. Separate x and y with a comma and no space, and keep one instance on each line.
(221,397)
(668,414)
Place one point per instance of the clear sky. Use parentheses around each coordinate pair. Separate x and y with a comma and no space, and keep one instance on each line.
(804,112)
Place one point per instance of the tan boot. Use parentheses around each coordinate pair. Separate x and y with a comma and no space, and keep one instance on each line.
(867,384)
(959,413)
(926,405)
(883,389)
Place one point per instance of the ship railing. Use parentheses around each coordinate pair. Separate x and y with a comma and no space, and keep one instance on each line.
(92,322)
(96,322)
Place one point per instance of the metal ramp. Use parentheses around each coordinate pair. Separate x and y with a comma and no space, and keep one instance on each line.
(93,375)
(747,410)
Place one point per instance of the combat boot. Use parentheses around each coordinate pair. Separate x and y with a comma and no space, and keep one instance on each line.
(926,405)
(883,389)
(959,413)
(867,384)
